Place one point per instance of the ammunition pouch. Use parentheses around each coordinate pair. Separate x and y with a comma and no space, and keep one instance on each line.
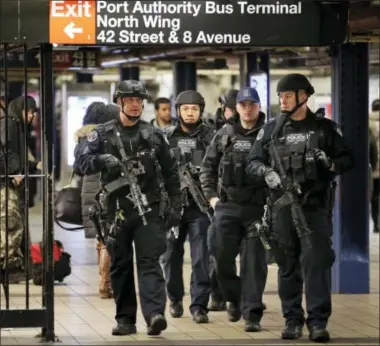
(232,172)
(226,174)
(310,166)
(239,174)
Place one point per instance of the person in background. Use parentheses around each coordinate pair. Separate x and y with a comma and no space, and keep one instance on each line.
(96,113)
(2,103)
(374,124)
(20,115)
(226,113)
(163,117)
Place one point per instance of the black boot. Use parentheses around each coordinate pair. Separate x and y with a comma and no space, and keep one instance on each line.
(252,327)
(292,331)
(233,311)
(157,325)
(319,334)
(124,329)
(217,305)
(200,317)
(176,309)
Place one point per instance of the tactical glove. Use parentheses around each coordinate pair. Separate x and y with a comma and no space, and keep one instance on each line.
(322,157)
(174,215)
(272,178)
(173,219)
(110,163)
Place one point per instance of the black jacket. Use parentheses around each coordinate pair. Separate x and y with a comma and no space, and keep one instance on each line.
(14,146)
(102,141)
(231,141)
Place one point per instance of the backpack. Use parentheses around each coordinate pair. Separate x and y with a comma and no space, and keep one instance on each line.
(62,262)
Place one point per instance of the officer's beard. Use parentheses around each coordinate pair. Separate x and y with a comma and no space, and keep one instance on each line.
(190,126)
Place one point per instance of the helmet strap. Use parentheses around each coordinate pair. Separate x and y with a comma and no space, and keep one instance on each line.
(130,117)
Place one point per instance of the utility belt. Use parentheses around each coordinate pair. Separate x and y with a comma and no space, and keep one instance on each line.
(239,195)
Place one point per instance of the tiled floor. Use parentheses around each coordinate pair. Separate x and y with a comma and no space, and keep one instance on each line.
(82,318)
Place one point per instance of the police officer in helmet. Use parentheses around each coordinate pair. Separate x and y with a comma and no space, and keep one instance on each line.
(228,105)
(238,202)
(189,140)
(130,148)
(311,152)
(226,112)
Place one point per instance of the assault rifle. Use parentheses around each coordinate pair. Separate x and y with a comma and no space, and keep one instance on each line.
(186,173)
(291,192)
(129,177)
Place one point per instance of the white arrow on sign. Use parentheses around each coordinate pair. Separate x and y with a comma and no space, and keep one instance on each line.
(70,30)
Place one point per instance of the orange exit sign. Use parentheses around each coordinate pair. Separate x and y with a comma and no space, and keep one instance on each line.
(72,22)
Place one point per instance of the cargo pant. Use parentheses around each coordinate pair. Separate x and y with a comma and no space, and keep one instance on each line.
(13,229)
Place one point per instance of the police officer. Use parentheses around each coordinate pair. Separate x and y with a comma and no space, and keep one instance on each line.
(189,140)
(238,201)
(144,147)
(311,151)
(226,112)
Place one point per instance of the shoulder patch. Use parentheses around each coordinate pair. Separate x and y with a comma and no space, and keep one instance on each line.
(92,136)
(260,135)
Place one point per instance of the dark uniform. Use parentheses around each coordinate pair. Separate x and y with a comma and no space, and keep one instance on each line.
(307,148)
(189,147)
(149,153)
(241,203)
(227,100)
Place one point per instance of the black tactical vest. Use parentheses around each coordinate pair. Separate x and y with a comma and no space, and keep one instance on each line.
(188,149)
(140,150)
(234,184)
(296,149)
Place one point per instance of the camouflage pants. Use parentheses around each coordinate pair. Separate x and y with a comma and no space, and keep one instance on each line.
(14,232)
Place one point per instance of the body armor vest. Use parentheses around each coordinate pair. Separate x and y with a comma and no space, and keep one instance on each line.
(296,149)
(234,184)
(189,150)
(140,150)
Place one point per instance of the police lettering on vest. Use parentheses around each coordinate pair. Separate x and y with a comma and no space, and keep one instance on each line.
(242,146)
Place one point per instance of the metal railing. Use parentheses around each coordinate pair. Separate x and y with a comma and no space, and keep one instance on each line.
(11,150)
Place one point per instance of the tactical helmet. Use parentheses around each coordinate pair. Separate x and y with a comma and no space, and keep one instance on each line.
(190,97)
(228,99)
(376,105)
(130,88)
(295,82)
